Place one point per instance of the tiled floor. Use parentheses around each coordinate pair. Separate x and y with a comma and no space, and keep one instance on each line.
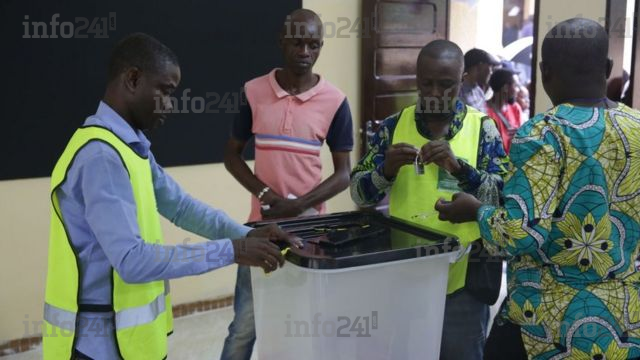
(197,336)
(201,335)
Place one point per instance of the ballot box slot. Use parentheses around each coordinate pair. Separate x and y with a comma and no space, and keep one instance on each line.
(359,238)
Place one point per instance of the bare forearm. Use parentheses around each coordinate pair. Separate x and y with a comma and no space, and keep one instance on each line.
(327,189)
(241,172)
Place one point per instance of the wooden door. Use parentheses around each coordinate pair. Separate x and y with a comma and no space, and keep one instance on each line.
(400,28)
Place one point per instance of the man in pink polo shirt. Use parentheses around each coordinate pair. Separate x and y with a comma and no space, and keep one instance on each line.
(291,112)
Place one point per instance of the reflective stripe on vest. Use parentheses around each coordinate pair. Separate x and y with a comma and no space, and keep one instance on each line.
(60,318)
(142,311)
(140,315)
(126,318)
(414,196)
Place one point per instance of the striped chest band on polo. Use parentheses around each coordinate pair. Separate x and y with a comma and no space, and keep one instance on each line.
(287,143)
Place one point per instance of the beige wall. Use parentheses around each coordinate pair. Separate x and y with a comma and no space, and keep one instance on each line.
(24,213)
(340,63)
(553,12)
(24,228)
(476,23)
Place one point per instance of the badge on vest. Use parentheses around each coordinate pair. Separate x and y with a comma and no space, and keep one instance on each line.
(447,182)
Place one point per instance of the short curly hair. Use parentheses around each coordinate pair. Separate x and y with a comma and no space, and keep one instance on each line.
(142,51)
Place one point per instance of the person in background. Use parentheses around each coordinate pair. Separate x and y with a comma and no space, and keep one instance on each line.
(522,98)
(502,107)
(571,216)
(460,148)
(616,86)
(478,66)
(290,113)
(527,28)
(107,293)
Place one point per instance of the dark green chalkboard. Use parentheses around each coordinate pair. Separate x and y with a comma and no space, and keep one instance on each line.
(49,86)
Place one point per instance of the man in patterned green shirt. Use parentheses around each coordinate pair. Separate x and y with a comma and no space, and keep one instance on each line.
(461,149)
(571,216)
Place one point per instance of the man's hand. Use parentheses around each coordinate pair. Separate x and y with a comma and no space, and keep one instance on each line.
(463,207)
(254,251)
(279,207)
(270,197)
(282,208)
(397,156)
(439,152)
(274,233)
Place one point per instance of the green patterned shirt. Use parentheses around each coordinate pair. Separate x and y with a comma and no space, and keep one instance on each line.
(571,224)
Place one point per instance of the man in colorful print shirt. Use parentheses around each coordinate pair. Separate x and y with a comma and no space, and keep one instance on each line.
(571,219)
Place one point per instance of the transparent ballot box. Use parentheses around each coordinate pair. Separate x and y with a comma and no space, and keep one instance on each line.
(363,287)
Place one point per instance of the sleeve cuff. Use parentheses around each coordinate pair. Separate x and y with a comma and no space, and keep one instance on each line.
(343,148)
(238,231)
(464,175)
(379,180)
(219,253)
(244,230)
(481,216)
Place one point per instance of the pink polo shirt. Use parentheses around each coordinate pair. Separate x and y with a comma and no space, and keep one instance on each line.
(289,132)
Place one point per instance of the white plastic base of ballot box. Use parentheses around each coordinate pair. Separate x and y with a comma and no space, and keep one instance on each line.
(391,310)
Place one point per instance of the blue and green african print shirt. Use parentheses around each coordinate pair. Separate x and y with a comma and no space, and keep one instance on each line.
(570,221)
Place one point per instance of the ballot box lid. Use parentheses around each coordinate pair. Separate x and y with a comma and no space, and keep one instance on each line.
(358,238)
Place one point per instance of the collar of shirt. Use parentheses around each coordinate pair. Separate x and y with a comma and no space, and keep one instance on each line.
(106,117)
(459,112)
(280,92)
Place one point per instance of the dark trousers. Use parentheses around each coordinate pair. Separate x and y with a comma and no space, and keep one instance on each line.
(504,342)
(465,322)
(77,355)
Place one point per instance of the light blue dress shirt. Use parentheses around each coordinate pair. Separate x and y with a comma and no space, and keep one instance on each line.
(99,212)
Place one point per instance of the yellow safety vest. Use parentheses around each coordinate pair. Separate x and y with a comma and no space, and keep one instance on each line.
(413,196)
(143,316)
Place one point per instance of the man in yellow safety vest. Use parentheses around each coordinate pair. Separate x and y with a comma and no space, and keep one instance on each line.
(107,294)
(431,150)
